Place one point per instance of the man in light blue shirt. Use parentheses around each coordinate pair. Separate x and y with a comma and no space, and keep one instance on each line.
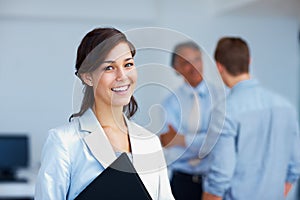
(257,155)
(184,128)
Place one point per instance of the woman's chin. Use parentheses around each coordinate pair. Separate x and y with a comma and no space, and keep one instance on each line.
(120,102)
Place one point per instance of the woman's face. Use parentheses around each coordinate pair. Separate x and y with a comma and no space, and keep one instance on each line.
(115,79)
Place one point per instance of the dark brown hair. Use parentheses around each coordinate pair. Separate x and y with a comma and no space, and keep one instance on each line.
(91,52)
(233,53)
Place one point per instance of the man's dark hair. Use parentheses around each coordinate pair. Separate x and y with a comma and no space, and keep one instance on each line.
(233,53)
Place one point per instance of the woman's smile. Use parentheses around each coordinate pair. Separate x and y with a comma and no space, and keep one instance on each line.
(121,89)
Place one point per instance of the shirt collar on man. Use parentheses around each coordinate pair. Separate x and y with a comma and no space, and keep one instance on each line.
(245,83)
(201,89)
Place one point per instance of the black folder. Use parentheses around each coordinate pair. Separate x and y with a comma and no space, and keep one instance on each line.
(118,181)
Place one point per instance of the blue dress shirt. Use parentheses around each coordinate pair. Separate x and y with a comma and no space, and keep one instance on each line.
(177,107)
(258,148)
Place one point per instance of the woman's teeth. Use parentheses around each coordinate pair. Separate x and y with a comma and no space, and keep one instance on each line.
(120,89)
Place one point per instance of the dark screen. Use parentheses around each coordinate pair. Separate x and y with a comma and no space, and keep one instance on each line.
(13,152)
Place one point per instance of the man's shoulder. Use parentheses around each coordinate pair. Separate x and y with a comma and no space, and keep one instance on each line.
(256,98)
(275,99)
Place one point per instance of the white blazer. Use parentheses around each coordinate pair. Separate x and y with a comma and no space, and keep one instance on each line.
(76,153)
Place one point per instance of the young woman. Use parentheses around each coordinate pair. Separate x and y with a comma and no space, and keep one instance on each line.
(75,154)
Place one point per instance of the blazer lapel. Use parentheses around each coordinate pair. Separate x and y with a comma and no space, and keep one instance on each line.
(137,142)
(147,154)
(96,141)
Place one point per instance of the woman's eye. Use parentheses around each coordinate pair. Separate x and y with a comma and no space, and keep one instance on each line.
(129,64)
(108,68)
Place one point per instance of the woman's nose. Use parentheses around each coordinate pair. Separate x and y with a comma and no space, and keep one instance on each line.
(121,74)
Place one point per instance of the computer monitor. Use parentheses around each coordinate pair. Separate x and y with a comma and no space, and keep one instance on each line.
(14,154)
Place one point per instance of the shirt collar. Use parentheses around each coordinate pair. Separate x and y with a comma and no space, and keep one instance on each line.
(245,84)
(201,89)
(89,122)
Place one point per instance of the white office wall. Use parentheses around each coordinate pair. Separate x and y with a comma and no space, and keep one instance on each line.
(37,65)
(38,44)
(274,49)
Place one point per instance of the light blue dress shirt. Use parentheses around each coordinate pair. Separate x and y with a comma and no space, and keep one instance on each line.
(258,149)
(177,107)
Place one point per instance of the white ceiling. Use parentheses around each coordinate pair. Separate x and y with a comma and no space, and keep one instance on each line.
(148,10)
(273,8)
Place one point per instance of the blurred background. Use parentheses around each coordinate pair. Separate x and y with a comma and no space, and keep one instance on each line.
(39,39)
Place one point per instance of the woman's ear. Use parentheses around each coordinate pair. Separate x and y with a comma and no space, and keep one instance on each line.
(87,78)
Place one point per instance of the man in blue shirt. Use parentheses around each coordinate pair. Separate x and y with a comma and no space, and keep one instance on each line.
(185,128)
(257,155)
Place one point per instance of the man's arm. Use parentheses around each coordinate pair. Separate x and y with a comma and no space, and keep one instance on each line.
(293,172)
(172,138)
(208,196)
(287,188)
(222,161)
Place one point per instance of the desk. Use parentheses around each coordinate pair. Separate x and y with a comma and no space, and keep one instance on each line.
(16,190)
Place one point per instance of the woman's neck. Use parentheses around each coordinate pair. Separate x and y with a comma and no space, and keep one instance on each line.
(114,126)
(110,116)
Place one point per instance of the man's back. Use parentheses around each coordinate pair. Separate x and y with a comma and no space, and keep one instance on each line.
(257,154)
(264,128)
(267,128)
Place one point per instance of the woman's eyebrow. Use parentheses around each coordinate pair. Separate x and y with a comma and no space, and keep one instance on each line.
(112,61)
(128,59)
